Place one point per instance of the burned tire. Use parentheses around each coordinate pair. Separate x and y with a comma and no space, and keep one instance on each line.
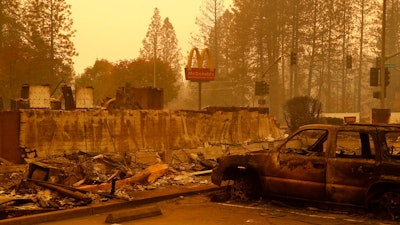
(386,204)
(245,187)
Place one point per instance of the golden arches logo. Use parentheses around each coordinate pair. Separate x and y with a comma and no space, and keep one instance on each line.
(200,58)
(199,73)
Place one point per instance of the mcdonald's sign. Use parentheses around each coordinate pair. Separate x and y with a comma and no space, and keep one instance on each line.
(199,73)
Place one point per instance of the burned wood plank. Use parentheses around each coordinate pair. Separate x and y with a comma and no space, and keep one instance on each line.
(12,168)
(154,172)
(73,194)
(148,175)
(5,162)
(16,200)
(201,172)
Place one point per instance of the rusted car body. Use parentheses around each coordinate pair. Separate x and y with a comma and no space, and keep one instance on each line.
(356,164)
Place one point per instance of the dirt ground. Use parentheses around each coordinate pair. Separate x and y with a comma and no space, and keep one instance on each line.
(199,210)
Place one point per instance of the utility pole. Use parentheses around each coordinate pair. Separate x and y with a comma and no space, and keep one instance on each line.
(154,62)
(382,86)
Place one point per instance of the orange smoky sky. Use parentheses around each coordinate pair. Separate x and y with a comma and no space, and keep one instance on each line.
(114,29)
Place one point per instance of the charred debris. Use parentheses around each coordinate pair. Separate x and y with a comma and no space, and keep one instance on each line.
(80,179)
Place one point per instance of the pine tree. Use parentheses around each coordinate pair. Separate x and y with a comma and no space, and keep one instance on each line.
(11,47)
(393,47)
(49,26)
(211,11)
(151,48)
(160,46)
(169,50)
(151,42)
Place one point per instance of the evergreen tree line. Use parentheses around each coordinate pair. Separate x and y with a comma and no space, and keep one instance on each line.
(246,39)
(36,49)
(334,43)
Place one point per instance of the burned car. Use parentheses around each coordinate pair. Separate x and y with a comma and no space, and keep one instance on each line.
(356,164)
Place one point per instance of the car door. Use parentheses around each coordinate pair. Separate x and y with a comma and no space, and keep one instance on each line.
(352,166)
(301,166)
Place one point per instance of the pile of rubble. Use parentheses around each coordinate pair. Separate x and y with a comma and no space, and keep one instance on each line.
(79,179)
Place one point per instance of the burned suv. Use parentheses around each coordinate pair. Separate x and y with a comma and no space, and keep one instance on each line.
(357,164)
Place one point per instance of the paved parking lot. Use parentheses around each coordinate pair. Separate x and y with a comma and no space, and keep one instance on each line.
(199,210)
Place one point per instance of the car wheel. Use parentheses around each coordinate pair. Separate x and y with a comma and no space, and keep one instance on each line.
(387,203)
(246,187)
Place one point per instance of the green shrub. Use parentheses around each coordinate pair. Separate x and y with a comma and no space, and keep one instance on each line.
(302,110)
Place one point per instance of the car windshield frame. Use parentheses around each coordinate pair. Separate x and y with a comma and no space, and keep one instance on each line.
(307,147)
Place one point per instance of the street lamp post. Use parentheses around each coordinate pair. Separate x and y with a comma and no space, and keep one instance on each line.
(383,59)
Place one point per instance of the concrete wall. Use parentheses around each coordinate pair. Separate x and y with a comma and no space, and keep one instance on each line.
(394,117)
(53,132)
(342,115)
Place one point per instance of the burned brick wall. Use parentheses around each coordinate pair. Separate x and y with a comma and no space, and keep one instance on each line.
(9,128)
(125,131)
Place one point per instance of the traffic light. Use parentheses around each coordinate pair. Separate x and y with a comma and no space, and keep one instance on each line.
(387,77)
(262,88)
(378,62)
(259,88)
(373,76)
(349,61)
(261,101)
(376,94)
(293,58)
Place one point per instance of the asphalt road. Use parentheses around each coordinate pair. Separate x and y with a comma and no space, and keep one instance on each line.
(199,210)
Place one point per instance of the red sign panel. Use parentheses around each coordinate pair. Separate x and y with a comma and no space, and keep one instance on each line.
(199,74)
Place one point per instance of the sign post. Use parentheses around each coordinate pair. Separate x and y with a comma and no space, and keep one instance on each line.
(200,74)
